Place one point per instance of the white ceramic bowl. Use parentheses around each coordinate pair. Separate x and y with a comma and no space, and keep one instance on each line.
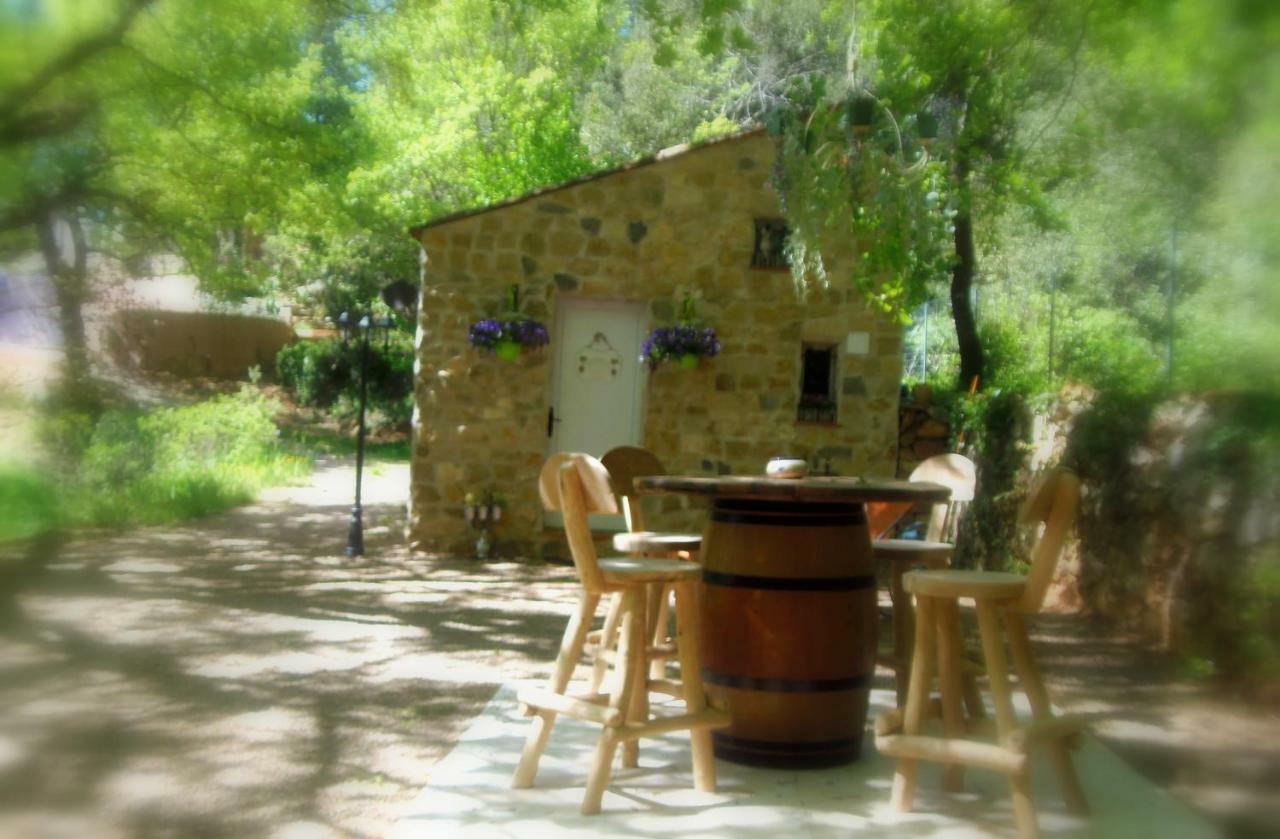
(786,467)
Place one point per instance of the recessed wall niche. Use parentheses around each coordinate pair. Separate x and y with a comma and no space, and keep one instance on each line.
(770,244)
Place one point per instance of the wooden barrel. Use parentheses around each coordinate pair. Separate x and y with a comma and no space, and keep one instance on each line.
(789,629)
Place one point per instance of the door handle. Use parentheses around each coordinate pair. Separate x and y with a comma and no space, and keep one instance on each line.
(552,419)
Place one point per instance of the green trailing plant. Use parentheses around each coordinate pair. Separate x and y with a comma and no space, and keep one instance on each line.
(853,177)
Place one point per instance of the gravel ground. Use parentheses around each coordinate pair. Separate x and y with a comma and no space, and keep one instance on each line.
(239,676)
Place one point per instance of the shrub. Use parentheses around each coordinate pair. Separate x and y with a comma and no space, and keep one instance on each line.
(28,502)
(991,427)
(237,429)
(326,374)
(132,467)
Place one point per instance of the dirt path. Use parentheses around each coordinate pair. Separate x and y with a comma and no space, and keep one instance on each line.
(238,676)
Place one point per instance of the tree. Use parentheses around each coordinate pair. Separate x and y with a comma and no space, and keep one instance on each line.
(978,69)
(131,127)
(49,162)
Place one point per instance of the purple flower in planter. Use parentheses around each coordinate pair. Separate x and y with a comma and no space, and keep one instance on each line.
(487,334)
(668,343)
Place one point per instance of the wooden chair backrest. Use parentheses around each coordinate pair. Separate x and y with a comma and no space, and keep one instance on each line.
(625,464)
(1054,502)
(576,485)
(957,473)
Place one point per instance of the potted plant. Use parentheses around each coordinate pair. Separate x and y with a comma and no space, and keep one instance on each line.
(686,343)
(861,110)
(508,336)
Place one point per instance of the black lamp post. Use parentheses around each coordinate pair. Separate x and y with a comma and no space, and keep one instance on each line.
(360,325)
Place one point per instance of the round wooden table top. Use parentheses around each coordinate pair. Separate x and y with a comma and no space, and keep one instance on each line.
(818,488)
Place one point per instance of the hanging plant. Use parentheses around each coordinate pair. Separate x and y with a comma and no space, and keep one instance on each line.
(686,343)
(507,337)
(844,178)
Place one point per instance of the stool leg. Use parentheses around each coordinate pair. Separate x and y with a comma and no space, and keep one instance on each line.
(1024,813)
(575,633)
(972,696)
(922,658)
(688,642)
(630,645)
(1029,673)
(638,707)
(949,685)
(661,625)
(902,620)
(608,636)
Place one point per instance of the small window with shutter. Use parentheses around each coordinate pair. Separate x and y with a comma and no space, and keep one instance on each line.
(817,383)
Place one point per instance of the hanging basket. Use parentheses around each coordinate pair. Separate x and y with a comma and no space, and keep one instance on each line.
(508,350)
(508,338)
(686,345)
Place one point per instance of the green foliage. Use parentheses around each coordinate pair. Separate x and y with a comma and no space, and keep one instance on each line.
(470,102)
(1258,593)
(326,374)
(126,467)
(878,190)
(177,463)
(639,104)
(991,428)
(28,502)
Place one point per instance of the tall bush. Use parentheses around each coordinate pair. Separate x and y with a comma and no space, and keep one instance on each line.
(126,466)
(991,428)
(326,374)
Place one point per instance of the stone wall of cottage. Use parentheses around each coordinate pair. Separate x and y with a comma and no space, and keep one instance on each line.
(643,234)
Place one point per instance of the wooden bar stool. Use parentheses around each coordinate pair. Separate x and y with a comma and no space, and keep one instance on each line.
(958,474)
(625,464)
(577,485)
(900,733)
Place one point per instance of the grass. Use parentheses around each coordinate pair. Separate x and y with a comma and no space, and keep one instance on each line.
(32,502)
(29,502)
(127,467)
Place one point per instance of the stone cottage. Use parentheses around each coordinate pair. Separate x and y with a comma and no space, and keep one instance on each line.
(602,261)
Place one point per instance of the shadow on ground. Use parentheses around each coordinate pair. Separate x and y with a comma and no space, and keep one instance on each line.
(239,676)
(1220,755)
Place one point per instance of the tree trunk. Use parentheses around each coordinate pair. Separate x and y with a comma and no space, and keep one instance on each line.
(972,359)
(71,291)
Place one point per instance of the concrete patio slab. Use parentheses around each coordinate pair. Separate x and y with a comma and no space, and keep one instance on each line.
(469,794)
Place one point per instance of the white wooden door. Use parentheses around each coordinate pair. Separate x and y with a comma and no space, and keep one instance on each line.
(597,381)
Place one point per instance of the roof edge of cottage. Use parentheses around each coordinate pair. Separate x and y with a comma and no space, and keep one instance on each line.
(639,163)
